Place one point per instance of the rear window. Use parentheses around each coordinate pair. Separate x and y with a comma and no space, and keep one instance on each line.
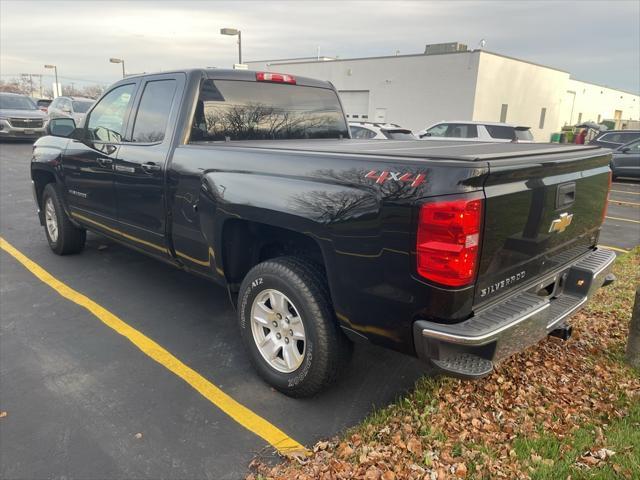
(398,134)
(80,106)
(524,134)
(500,131)
(241,110)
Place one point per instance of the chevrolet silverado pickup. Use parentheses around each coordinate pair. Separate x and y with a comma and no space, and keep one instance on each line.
(459,253)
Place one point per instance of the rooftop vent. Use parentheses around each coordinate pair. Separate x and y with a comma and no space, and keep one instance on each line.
(451,47)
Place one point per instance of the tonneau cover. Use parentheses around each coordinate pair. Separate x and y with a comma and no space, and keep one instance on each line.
(454,150)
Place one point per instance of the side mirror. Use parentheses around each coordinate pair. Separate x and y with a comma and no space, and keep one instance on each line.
(61,127)
(625,149)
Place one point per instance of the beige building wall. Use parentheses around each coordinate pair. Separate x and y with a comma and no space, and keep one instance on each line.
(414,91)
(588,102)
(525,89)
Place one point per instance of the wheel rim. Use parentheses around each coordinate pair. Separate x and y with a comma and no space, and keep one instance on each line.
(51,220)
(278,330)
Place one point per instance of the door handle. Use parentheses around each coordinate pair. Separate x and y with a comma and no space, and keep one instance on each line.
(150,167)
(104,162)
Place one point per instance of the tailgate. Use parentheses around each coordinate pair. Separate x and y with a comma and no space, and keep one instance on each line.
(540,213)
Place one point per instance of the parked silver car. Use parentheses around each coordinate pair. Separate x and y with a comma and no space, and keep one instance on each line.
(70,107)
(20,117)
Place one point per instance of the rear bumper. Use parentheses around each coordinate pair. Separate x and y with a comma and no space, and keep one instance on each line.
(470,348)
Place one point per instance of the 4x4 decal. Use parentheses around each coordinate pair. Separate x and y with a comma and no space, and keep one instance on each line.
(384,176)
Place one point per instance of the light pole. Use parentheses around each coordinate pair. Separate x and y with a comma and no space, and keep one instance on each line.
(55,69)
(118,60)
(233,32)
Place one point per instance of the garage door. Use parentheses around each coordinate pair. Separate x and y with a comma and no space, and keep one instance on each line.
(355,103)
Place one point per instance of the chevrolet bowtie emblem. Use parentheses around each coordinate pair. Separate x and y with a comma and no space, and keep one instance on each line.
(560,224)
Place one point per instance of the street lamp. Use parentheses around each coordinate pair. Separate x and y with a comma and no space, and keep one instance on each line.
(233,32)
(55,69)
(118,60)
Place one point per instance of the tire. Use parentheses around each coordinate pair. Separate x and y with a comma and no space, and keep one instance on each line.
(63,237)
(304,301)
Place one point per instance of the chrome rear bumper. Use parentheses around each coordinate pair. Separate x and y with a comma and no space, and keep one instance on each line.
(518,321)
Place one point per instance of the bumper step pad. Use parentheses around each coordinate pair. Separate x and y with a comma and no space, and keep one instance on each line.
(465,365)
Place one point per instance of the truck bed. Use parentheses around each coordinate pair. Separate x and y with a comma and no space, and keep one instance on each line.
(444,149)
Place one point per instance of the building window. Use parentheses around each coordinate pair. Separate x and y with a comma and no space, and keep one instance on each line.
(579,118)
(503,113)
(543,113)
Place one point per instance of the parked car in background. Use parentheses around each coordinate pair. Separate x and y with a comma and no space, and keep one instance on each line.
(70,107)
(477,131)
(20,117)
(626,160)
(380,131)
(42,103)
(615,138)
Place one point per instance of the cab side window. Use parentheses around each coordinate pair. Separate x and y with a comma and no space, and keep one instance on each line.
(461,130)
(438,130)
(153,112)
(106,123)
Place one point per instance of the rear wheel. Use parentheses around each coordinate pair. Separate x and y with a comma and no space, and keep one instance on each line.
(288,326)
(63,237)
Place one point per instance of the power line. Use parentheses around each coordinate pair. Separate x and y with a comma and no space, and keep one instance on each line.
(17,75)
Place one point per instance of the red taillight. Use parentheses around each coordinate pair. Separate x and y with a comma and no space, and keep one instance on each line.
(449,240)
(275,77)
(606,201)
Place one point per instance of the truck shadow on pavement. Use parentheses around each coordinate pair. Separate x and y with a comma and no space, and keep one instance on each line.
(193,319)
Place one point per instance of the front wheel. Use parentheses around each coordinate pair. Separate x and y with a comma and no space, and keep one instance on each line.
(288,326)
(63,237)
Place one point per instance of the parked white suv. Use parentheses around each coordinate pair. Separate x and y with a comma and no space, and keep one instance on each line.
(380,131)
(476,131)
(70,107)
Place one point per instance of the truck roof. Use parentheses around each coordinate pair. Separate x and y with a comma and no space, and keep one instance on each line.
(453,150)
(231,74)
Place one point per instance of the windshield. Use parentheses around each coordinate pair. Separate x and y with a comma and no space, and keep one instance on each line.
(241,110)
(81,106)
(9,102)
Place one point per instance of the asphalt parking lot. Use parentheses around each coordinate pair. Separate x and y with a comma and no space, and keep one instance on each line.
(83,401)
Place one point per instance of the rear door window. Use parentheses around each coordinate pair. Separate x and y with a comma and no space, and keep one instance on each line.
(153,113)
(245,110)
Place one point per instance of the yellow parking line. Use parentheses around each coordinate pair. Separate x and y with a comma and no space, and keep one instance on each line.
(635,204)
(623,219)
(624,191)
(608,247)
(238,412)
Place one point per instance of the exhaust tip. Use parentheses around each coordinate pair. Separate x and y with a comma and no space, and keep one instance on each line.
(609,279)
(563,332)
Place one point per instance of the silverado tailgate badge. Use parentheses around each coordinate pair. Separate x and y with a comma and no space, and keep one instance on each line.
(560,224)
(383,176)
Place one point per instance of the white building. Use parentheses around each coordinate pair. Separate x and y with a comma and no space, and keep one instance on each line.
(417,90)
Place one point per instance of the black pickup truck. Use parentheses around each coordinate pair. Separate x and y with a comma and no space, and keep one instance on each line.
(457,253)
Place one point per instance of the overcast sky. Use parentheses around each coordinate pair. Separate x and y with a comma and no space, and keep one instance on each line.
(597,41)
